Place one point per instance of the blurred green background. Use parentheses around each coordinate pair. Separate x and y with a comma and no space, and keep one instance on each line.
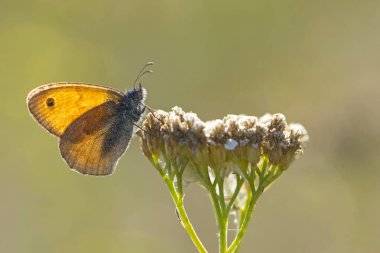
(315,61)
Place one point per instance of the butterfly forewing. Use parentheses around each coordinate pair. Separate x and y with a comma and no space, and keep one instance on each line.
(55,106)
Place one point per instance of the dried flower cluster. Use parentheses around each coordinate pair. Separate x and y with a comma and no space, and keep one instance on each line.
(179,136)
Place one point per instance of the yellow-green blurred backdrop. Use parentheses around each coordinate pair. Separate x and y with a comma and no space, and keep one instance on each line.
(318,62)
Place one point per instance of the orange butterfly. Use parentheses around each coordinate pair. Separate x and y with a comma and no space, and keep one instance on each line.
(94,124)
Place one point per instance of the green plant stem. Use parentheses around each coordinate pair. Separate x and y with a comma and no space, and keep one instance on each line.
(272,178)
(223,236)
(178,201)
(220,220)
(239,183)
(221,209)
(248,214)
(241,214)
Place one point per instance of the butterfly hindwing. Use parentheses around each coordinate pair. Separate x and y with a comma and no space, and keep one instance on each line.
(55,106)
(94,142)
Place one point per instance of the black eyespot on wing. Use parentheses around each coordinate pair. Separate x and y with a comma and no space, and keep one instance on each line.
(50,102)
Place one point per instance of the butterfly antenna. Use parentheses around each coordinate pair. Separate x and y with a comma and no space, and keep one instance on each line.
(143,71)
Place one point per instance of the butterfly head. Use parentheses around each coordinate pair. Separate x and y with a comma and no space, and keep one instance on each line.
(134,102)
(137,94)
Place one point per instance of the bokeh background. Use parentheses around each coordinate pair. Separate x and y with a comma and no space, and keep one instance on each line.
(318,62)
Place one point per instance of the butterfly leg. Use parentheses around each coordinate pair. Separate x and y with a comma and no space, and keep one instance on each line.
(151,111)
